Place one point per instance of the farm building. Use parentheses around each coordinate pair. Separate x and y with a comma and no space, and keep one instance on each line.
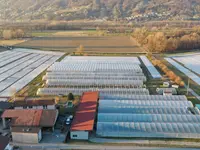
(84,120)
(27,125)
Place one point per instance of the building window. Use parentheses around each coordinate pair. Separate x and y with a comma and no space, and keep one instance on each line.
(74,135)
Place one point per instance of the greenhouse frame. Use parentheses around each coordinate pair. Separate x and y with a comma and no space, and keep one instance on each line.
(79,90)
(103,82)
(134,60)
(114,103)
(143,110)
(95,67)
(144,97)
(146,129)
(165,118)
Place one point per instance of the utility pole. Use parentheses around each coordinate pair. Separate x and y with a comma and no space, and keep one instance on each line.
(188,86)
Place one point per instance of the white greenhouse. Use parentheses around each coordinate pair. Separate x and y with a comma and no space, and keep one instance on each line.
(80,90)
(144,110)
(145,97)
(116,103)
(167,118)
(146,129)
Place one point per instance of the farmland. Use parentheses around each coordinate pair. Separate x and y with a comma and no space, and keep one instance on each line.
(92,44)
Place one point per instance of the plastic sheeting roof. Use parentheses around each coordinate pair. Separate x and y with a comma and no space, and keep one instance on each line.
(143,110)
(80,90)
(145,103)
(141,129)
(154,72)
(184,70)
(145,97)
(104,117)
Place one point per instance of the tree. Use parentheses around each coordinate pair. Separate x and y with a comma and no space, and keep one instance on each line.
(172,44)
(70,96)
(160,42)
(19,33)
(141,34)
(80,49)
(150,43)
(7,34)
(116,13)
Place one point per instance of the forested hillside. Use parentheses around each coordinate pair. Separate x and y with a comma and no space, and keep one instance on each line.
(132,10)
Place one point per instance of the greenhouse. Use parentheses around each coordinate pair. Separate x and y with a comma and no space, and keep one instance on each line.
(82,73)
(143,110)
(115,103)
(146,129)
(101,59)
(80,90)
(96,77)
(104,82)
(144,97)
(95,67)
(165,118)
(153,71)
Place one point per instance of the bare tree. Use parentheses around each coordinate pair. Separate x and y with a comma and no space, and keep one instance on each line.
(7,34)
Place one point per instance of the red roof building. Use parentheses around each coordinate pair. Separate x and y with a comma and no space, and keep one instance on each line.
(31,117)
(85,115)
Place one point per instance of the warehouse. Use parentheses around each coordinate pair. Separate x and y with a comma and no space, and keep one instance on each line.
(84,120)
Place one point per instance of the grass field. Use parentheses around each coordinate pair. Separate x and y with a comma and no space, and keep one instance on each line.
(92,44)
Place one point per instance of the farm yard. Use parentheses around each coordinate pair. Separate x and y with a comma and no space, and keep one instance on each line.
(18,67)
(91,44)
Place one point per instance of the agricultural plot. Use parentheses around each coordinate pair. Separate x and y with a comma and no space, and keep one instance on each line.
(92,44)
(20,66)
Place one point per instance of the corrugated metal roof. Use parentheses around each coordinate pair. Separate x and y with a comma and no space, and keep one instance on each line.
(86,112)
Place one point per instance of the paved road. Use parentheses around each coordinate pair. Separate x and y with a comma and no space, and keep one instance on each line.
(99,147)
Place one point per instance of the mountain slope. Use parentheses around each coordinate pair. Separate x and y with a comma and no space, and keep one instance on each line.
(137,10)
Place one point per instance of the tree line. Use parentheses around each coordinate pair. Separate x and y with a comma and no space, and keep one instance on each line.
(12,34)
(170,74)
(159,41)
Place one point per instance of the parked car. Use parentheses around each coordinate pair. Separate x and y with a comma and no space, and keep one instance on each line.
(68,121)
